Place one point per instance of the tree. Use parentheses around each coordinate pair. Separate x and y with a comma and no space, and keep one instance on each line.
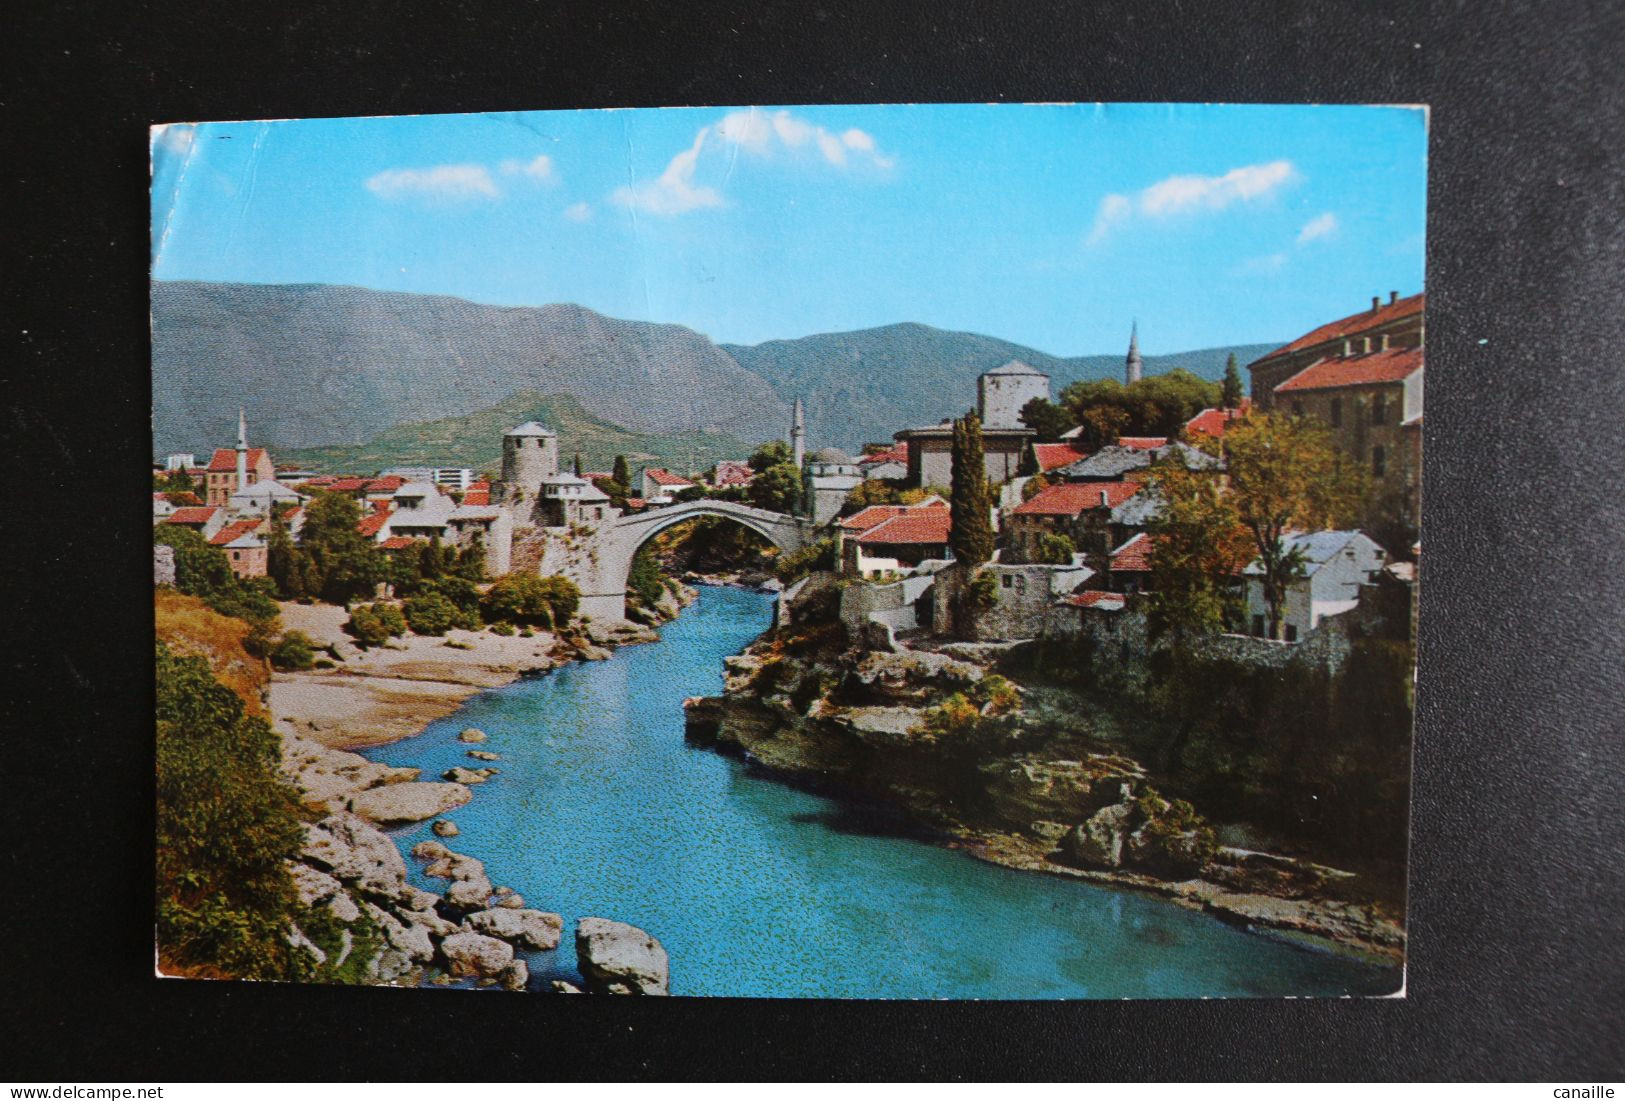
(1055,550)
(529,599)
(644,578)
(771,454)
(227,828)
(1198,547)
(1286,476)
(179,480)
(293,651)
(347,563)
(204,571)
(1046,418)
(621,472)
(578,458)
(1101,426)
(1158,405)
(776,488)
(1230,390)
(429,613)
(971,534)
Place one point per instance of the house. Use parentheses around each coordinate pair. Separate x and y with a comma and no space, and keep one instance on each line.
(421,511)
(886,464)
(896,543)
(1081,511)
(829,478)
(491,526)
(1371,400)
(1394,324)
(477,494)
(243,542)
(180,460)
(1023,594)
(1000,395)
(657,484)
(1129,567)
(1132,461)
(162,507)
(731,472)
(1337,565)
(375,525)
(206,520)
(261,497)
(220,478)
(1212,422)
(1053,456)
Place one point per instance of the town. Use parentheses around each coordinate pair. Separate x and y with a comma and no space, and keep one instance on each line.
(1058,535)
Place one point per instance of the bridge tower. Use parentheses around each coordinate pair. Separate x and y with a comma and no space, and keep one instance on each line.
(530,453)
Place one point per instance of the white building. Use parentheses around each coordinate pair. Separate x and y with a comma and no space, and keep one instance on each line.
(1336,565)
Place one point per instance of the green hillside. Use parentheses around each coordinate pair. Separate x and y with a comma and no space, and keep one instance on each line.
(475,440)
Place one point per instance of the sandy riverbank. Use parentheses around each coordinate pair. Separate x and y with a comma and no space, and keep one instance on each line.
(380,695)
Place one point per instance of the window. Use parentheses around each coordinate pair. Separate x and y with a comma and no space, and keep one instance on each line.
(1379,462)
(1258,626)
(1291,633)
(1379,409)
(1297,409)
(1337,412)
(1006,580)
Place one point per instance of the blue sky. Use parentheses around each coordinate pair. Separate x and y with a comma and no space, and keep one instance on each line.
(1052,226)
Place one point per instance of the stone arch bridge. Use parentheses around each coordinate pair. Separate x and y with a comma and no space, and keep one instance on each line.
(601,571)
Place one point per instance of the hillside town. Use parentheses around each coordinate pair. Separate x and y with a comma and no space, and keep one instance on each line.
(1073,513)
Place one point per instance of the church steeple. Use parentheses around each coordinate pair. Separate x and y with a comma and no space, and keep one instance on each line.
(1133,366)
(798,436)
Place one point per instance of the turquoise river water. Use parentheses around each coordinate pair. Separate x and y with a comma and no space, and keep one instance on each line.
(760,889)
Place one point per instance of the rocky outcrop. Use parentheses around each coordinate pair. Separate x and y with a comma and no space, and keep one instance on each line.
(445,827)
(470,954)
(533,930)
(1098,841)
(397,804)
(326,776)
(615,958)
(1026,789)
(471,735)
(469,775)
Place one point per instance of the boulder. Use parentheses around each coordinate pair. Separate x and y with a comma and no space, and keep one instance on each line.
(469,893)
(445,828)
(511,902)
(473,954)
(357,853)
(413,899)
(430,850)
(483,755)
(413,939)
(1023,790)
(529,929)
(343,908)
(455,866)
(471,735)
(296,938)
(1174,855)
(394,804)
(617,958)
(468,775)
(562,987)
(1098,842)
(391,964)
(311,885)
(514,976)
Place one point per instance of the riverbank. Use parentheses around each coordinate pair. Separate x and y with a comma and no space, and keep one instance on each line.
(1014,795)
(377,695)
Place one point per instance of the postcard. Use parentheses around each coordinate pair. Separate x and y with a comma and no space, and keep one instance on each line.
(911,551)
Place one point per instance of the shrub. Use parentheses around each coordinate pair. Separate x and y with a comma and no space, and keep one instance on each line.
(375,624)
(1055,549)
(430,614)
(293,651)
(797,564)
(505,629)
(526,598)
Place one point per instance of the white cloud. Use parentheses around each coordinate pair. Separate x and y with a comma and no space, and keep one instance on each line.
(674,191)
(1323,226)
(578,212)
(1179,195)
(446,182)
(539,168)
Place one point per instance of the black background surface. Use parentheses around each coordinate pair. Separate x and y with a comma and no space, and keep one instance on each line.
(1518,900)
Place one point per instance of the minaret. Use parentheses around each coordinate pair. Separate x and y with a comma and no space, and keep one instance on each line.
(242,450)
(798,437)
(1132,366)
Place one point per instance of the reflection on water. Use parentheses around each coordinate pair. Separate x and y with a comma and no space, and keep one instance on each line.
(757,888)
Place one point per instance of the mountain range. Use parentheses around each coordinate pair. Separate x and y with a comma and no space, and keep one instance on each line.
(335,368)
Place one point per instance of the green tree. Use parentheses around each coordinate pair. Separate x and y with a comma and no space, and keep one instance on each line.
(1046,418)
(1198,548)
(578,464)
(971,533)
(644,579)
(622,471)
(528,599)
(1055,549)
(429,613)
(471,560)
(177,481)
(204,571)
(227,826)
(347,563)
(776,488)
(1284,476)
(771,454)
(1230,391)
(293,651)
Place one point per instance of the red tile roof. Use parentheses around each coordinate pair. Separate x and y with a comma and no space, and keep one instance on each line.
(389,483)
(897,453)
(1391,365)
(732,472)
(666,478)
(1098,598)
(1354,323)
(867,518)
(915,525)
(198,514)
(321,480)
(1133,556)
(477,496)
(1142,443)
(225,459)
(1212,422)
(373,522)
(636,502)
(1071,498)
(396,542)
(235,530)
(1052,455)
(348,485)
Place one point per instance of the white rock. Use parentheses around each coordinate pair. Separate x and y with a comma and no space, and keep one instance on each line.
(473,954)
(311,885)
(530,929)
(471,735)
(615,957)
(411,802)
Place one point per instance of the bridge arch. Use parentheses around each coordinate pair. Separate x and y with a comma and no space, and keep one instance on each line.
(616,543)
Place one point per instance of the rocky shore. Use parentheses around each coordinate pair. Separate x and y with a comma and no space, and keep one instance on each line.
(943,738)
(368,923)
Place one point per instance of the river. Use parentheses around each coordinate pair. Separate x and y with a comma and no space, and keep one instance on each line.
(760,889)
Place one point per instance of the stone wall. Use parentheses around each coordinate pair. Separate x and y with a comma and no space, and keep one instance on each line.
(163,565)
(1023,595)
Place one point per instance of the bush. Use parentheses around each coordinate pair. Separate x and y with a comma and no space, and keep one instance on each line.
(430,614)
(1055,550)
(526,598)
(810,559)
(644,578)
(375,624)
(462,593)
(504,629)
(293,651)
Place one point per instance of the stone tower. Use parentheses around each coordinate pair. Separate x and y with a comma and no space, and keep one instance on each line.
(1132,366)
(530,453)
(1002,392)
(242,450)
(798,436)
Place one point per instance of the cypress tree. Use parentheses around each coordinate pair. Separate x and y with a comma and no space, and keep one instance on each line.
(622,472)
(972,534)
(1230,394)
(578,460)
